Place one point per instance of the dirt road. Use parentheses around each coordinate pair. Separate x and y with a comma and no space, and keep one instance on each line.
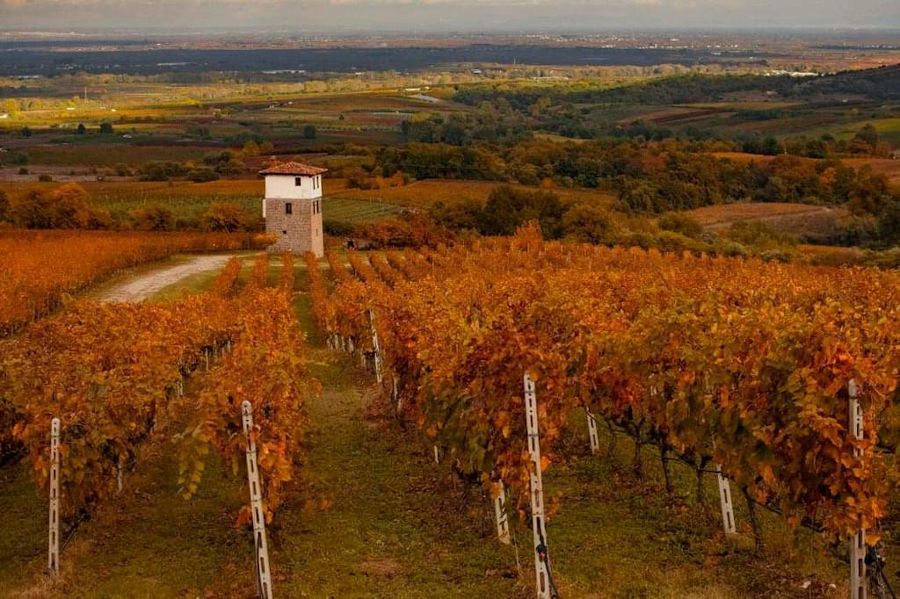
(150,283)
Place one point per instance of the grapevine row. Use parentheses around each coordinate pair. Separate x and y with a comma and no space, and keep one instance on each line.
(739,363)
(37,268)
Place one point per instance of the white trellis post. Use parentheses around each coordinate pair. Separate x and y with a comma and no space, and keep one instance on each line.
(500,515)
(264,575)
(592,431)
(53,546)
(725,500)
(538,525)
(376,349)
(858,542)
(437,455)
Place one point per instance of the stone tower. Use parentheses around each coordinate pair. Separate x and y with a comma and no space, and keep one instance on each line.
(292,207)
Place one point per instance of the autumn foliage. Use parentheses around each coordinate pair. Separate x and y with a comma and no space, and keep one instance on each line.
(267,368)
(108,371)
(740,363)
(114,373)
(38,268)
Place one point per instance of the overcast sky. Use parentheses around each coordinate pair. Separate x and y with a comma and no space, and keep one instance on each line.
(324,16)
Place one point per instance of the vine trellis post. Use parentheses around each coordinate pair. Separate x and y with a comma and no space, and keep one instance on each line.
(541,555)
(376,349)
(593,436)
(858,541)
(500,515)
(53,544)
(263,567)
(728,524)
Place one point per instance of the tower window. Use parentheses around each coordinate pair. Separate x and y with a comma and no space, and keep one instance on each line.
(288,208)
(298,181)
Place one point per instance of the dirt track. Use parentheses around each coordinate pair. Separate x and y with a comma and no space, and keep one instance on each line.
(149,283)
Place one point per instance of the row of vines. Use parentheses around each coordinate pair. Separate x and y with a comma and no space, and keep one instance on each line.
(37,268)
(114,374)
(715,361)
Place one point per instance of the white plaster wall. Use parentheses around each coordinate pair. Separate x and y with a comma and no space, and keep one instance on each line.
(282,187)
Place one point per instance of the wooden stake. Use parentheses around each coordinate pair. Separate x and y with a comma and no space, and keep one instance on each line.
(725,499)
(375,348)
(263,572)
(858,541)
(53,548)
(592,432)
(538,525)
(500,515)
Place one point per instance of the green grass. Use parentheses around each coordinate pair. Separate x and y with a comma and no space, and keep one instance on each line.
(23,542)
(356,211)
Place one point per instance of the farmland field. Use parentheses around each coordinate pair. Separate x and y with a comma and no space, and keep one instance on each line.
(792,219)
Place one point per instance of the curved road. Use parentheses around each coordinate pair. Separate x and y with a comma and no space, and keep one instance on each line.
(147,284)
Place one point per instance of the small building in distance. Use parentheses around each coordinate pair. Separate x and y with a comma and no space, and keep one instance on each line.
(292,207)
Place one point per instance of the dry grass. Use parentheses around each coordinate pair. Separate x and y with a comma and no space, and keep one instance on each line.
(800,220)
(424,194)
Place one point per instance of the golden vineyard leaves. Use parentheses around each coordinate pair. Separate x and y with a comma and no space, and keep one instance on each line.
(736,362)
(37,268)
(111,372)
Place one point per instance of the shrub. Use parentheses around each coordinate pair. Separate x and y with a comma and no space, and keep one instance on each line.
(734,249)
(758,235)
(590,223)
(679,222)
(158,170)
(202,175)
(224,217)
(153,218)
(45,178)
(337,228)
(66,207)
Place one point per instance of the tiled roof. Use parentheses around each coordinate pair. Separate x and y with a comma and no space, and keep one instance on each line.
(293,168)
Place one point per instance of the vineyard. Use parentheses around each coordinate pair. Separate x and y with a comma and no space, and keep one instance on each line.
(37,268)
(732,370)
(110,377)
(740,366)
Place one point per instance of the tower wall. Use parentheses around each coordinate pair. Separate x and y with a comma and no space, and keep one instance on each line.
(285,187)
(297,232)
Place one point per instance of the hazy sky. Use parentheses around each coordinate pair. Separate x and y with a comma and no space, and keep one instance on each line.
(323,16)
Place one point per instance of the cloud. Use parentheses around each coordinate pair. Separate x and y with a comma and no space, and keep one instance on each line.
(323,16)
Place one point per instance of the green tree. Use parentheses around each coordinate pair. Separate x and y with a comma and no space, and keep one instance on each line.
(106,129)
(310,132)
(590,223)
(81,130)
(868,134)
(888,223)
(508,208)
